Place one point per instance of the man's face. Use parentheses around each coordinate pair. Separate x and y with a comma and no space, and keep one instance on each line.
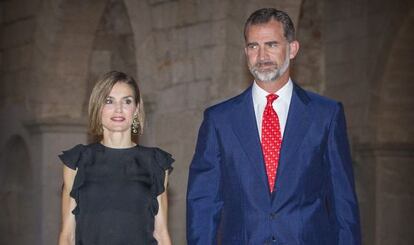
(267,51)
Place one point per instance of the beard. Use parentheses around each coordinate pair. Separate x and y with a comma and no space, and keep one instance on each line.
(270,74)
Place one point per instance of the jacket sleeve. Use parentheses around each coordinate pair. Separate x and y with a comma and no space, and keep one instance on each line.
(342,179)
(204,201)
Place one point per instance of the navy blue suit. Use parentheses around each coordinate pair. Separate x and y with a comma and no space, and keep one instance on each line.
(314,201)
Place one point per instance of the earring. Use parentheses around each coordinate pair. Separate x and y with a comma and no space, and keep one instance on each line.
(135,125)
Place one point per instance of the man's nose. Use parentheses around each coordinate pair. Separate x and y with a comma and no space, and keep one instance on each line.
(262,54)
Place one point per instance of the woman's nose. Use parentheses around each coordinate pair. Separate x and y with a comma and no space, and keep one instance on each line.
(118,107)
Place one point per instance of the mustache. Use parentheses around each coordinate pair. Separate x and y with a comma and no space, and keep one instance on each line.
(265,63)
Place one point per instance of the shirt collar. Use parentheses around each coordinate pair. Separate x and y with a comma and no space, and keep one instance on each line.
(284,93)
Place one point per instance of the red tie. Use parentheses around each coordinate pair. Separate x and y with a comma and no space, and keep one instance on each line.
(271,140)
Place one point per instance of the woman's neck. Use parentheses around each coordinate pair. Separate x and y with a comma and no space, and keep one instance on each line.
(117,139)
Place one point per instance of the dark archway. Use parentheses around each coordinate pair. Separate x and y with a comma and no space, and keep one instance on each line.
(308,66)
(113,47)
(17,195)
(395,141)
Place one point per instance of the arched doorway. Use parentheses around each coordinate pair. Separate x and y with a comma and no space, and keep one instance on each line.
(394,137)
(17,195)
(113,46)
(308,66)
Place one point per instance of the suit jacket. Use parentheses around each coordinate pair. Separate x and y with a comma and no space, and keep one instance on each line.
(314,202)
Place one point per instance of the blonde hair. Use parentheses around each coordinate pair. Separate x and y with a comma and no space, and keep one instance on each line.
(99,94)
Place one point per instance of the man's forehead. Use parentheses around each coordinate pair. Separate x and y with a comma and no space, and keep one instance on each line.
(267,31)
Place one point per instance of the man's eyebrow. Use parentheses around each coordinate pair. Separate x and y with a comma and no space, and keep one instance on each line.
(272,42)
(251,43)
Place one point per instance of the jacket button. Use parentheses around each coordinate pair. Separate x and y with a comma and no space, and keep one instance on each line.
(273,215)
(273,239)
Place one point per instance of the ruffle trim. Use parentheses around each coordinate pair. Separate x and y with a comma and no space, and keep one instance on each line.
(80,156)
(163,161)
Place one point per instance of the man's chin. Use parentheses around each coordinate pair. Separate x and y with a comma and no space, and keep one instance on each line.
(268,78)
(267,81)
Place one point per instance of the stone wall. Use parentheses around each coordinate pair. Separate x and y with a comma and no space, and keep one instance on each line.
(188,55)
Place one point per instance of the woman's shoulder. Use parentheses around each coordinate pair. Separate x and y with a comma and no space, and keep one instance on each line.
(72,156)
(159,157)
(150,149)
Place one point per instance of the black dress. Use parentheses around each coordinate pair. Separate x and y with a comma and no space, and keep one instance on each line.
(116,192)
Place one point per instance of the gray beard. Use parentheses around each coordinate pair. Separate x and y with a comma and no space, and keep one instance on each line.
(272,75)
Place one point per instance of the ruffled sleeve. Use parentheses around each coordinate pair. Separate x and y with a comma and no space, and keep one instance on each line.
(163,162)
(72,156)
(77,158)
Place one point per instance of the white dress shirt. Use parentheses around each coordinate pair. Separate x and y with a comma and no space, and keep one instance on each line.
(280,105)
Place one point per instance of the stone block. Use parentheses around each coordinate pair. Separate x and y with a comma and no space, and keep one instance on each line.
(163,75)
(336,31)
(173,128)
(17,10)
(337,10)
(217,56)
(182,70)
(395,199)
(198,94)
(187,14)
(234,34)
(179,42)
(155,2)
(18,58)
(337,52)
(2,62)
(18,33)
(152,72)
(100,61)
(200,35)
(172,99)
(211,10)
(358,8)
(204,61)
(165,15)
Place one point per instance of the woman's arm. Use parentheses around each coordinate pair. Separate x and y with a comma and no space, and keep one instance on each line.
(161,224)
(67,233)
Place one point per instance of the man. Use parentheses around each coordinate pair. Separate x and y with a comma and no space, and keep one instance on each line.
(272,165)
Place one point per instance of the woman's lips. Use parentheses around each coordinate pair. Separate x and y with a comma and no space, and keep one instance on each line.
(118,119)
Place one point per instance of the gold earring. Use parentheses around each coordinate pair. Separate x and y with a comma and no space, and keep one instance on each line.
(135,125)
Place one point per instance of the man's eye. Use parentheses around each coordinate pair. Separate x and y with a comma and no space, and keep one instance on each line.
(273,45)
(252,46)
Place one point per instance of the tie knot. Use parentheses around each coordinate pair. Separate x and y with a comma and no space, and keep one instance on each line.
(271,98)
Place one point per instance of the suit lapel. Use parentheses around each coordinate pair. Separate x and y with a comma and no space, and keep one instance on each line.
(297,125)
(245,128)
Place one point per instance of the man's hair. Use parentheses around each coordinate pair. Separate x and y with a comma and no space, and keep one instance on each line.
(264,15)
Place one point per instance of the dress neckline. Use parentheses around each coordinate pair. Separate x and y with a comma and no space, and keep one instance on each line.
(116,149)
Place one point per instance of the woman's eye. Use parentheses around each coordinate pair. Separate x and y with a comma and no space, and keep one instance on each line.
(108,101)
(128,101)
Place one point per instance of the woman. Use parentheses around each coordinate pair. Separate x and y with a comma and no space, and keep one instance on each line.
(114,190)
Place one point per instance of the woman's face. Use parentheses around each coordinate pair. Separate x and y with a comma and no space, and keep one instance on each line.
(119,108)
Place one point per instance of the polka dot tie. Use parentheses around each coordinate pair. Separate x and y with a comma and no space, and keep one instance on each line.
(271,140)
